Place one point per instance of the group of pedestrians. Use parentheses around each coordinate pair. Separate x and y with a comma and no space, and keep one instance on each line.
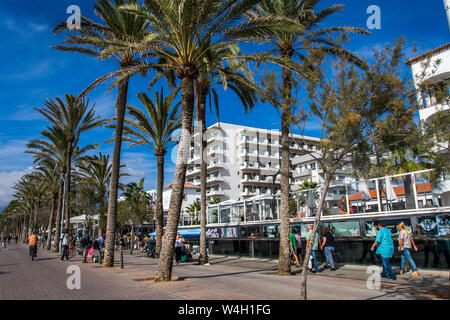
(385,248)
(383,244)
(6,239)
(326,244)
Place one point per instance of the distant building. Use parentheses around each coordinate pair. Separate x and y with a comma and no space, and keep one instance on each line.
(244,162)
(436,79)
(191,195)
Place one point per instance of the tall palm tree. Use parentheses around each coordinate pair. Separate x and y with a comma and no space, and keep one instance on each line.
(74,117)
(110,40)
(218,68)
(52,151)
(183,31)
(154,129)
(295,48)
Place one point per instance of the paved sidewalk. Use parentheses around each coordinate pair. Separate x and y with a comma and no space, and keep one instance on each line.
(227,278)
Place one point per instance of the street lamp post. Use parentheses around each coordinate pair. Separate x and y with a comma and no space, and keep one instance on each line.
(62,215)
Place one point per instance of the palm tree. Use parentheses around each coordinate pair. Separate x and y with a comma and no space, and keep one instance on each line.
(154,129)
(73,117)
(218,68)
(110,41)
(290,48)
(96,172)
(183,32)
(138,200)
(194,209)
(53,152)
(51,180)
(31,189)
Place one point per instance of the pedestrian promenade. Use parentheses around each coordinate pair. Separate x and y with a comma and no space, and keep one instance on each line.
(227,278)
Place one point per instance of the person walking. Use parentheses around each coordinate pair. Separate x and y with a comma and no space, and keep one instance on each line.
(327,246)
(85,245)
(298,244)
(406,243)
(385,249)
(64,245)
(293,246)
(314,248)
(179,243)
(3,240)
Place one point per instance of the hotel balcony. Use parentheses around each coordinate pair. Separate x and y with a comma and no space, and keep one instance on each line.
(213,165)
(192,172)
(218,192)
(214,179)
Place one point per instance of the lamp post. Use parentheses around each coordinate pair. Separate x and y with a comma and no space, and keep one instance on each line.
(62,215)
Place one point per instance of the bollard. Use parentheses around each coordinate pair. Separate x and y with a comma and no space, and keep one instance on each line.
(121,259)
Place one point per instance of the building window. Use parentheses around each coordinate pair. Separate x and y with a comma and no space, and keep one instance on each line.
(313,166)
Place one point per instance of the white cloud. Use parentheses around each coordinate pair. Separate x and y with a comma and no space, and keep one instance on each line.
(13,156)
(24,29)
(7,182)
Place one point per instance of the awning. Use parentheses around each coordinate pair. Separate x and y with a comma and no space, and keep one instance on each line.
(188,233)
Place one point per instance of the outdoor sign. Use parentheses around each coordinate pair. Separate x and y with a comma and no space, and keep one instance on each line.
(212,233)
(229,232)
(371,226)
(343,228)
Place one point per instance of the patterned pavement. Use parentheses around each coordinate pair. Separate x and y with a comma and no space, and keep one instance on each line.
(227,278)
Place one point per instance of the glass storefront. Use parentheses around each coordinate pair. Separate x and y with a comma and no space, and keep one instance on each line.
(353,239)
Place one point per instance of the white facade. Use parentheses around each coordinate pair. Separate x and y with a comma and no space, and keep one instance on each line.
(242,161)
(424,69)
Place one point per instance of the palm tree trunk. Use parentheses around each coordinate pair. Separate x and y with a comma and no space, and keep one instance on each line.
(115,174)
(284,263)
(58,219)
(164,272)
(67,187)
(203,258)
(303,291)
(51,220)
(24,229)
(36,213)
(159,217)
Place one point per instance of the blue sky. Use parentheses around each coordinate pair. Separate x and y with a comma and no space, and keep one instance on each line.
(31,72)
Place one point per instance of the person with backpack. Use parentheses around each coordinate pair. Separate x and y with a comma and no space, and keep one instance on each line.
(327,246)
(406,243)
(65,245)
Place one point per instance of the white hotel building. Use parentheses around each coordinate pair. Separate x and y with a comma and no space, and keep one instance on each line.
(244,162)
(436,78)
